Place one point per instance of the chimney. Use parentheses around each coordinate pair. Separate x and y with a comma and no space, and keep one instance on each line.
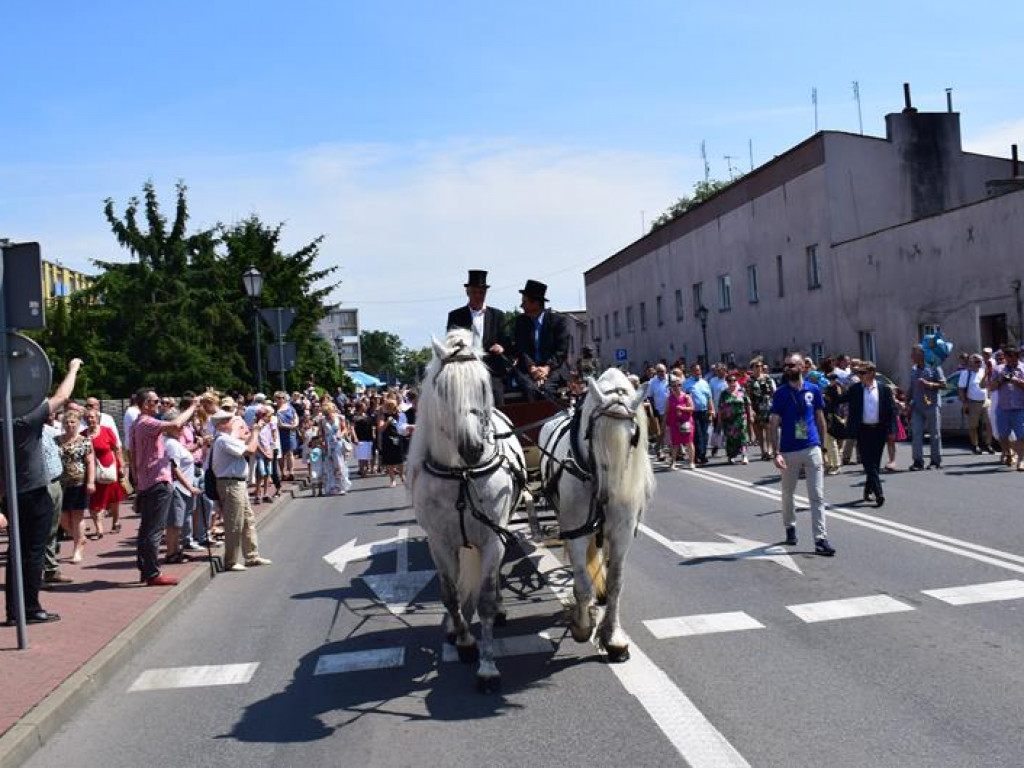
(949,99)
(1015,163)
(908,108)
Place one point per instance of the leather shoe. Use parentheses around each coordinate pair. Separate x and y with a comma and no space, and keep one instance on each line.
(57,578)
(41,617)
(161,581)
(879,500)
(790,536)
(868,496)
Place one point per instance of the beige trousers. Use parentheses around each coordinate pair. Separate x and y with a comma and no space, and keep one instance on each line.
(239,521)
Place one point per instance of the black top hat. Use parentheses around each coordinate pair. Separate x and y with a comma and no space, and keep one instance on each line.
(535,290)
(477,279)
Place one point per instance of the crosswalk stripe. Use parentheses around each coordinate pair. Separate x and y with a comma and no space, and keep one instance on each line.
(701,624)
(979,593)
(194,677)
(517,645)
(830,610)
(360,661)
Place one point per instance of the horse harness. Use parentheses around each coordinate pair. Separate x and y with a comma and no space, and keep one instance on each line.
(580,464)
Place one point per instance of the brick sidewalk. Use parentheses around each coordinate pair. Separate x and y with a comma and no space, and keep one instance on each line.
(104,600)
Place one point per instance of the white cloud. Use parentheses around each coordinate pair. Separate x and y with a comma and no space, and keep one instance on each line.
(403,222)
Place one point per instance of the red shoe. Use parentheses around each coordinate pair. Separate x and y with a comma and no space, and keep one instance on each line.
(161,581)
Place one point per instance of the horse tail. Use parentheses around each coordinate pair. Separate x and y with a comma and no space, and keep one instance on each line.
(596,568)
(470,570)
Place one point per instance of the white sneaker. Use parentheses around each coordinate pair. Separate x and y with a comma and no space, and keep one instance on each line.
(692,465)
(236,567)
(257,561)
(744,461)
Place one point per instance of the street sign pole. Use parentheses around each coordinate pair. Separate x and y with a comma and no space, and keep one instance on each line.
(280,344)
(11,486)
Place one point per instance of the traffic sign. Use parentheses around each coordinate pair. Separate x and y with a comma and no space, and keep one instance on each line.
(30,373)
(279,319)
(281,356)
(23,286)
(621,355)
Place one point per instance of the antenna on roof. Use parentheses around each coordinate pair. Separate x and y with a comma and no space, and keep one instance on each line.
(750,146)
(728,160)
(814,101)
(704,155)
(856,97)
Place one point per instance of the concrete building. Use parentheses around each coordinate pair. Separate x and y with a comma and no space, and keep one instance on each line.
(845,243)
(341,328)
(60,281)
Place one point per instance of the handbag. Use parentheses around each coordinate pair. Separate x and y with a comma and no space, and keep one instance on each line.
(126,486)
(106,475)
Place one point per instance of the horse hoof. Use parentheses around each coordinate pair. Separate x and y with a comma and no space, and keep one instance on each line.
(618,655)
(500,619)
(580,634)
(488,684)
(468,654)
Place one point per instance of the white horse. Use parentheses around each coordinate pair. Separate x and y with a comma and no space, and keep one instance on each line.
(466,475)
(597,474)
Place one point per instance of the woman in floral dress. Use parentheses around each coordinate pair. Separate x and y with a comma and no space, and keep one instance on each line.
(78,480)
(760,388)
(735,416)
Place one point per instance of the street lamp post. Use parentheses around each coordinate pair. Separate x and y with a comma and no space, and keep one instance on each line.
(702,314)
(253,281)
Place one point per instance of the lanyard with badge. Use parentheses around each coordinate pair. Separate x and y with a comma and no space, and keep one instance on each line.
(800,428)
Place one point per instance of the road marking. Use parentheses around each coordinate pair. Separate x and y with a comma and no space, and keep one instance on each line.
(517,645)
(1005,560)
(194,677)
(830,610)
(359,661)
(701,624)
(737,548)
(979,593)
(692,734)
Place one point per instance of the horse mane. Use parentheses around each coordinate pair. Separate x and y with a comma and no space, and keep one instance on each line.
(634,484)
(447,390)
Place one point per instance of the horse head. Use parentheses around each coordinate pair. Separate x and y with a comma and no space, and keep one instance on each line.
(457,402)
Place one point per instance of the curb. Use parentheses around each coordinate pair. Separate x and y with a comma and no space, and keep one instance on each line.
(31,732)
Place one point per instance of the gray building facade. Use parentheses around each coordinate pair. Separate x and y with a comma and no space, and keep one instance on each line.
(845,243)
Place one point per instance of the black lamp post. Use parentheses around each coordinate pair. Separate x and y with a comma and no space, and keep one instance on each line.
(702,314)
(253,281)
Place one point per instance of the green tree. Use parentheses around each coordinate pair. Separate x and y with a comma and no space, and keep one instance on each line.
(702,190)
(381,351)
(413,363)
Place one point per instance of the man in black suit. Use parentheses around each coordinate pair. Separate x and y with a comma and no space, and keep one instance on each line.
(541,341)
(873,414)
(488,327)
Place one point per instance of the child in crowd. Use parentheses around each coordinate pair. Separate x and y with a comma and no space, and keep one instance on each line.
(315,463)
(264,455)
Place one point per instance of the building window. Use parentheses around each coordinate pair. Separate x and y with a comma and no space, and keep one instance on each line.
(818,352)
(615,323)
(925,329)
(698,297)
(867,345)
(724,293)
(813,271)
(607,328)
(778,275)
(752,294)
(679,305)
(593,333)
(659,314)
(629,319)
(643,316)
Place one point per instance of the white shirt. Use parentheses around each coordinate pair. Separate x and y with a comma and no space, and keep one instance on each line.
(971,381)
(478,325)
(228,458)
(130,415)
(182,459)
(871,404)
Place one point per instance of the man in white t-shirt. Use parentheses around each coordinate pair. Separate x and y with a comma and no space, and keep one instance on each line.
(975,402)
(229,462)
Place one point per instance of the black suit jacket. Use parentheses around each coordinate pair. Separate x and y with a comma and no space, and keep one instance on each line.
(494,333)
(554,342)
(887,408)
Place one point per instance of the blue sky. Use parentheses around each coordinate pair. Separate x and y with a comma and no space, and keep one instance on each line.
(531,139)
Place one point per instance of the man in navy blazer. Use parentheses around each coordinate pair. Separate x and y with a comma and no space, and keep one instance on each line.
(542,342)
(488,327)
(872,418)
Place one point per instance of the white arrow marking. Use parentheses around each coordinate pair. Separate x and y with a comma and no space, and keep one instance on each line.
(737,548)
(396,590)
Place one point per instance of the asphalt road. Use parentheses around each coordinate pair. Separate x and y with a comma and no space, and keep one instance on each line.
(758,667)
